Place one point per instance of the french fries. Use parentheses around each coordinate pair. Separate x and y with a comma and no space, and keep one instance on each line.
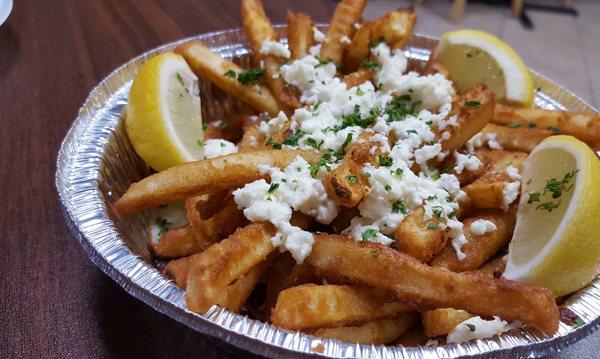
(178,242)
(325,306)
(299,34)
(178,269)
(358,77)
(420,238)
(252,139)
(220,225)
(517,139)
(473,110)
(205,176)
(479,248)
(206,63)
(222,265)
(346,14)
(382,331)
(584,126)
(359,48)
(346,184)
(442,321)
(430,287)
(396,27)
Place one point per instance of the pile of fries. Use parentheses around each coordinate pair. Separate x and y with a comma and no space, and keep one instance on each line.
(414,287)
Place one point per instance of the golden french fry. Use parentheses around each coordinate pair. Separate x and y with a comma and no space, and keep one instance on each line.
(358,77)
(430,287)
(178,242)
(493,268)
(343,219)
(216,174)
(395,27)
(584,126)
(275,281)
(325,306)
(517,139)
(488,190)
(479,248)
(235,296)
(297,275)
(436,67)
(207,64)
(346,184)
(381,331)
(442,321)
(420,238)
(253,138)
(473,109)
(178,269)
(299,34)
(220,265)
(345,15)
(359,48)
(220,225)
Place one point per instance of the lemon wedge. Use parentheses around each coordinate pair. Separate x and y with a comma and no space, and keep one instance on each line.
(163,121)
(556,242)
(473,56)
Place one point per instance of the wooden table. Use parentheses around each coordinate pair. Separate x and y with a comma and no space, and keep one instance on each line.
(53,301)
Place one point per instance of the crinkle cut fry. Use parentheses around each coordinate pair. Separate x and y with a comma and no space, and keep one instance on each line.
(189,179)
(219,266)
(207,64)
(429,287)
(345,15)
(299,34)
(325,306)
(395,27)
(380,331)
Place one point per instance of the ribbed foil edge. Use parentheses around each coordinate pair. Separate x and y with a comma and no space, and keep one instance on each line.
(86,178)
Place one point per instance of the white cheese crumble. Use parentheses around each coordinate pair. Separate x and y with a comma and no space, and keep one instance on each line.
(318,36)
(482,226)
(468,162)
(164,218)
(345,40)
(481,139)
(275,48)
(218,147)
(513,173)
(478,328)
(292,189)
(510,192)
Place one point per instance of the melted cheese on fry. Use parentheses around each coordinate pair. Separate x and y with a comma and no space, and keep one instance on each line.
(478,328)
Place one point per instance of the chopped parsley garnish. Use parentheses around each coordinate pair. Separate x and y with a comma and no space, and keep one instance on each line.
(412,131)
(352,179)
(388,187)
(313,143)
(400,107)
(432,226)
(369,233)
(355,119)
(222,144)
(223,125)
(548,206)
(577,323)
(293,139)
(273,144)
(533,197)
(323,161)
(246,77)
(471,327)
(557,187)
(554,129)
(514,124)
(204,127)
(473,53)
(473,103)
(323,62)
(431,198)
(344,145)
(399,207)
(377,42)
(273,187)
(372,65)
(437,211)
(385,161)
(316,106)
(179,78)
(163,225)
(397,172)
(359,91)
(200,143)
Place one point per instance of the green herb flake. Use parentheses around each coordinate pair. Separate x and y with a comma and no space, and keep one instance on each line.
(399,207)
(179,78)
(432,226)
(250,77)
(371,65)
(231,73)
(163,225)
(388,187)
(548,206)
(514,124)
(368,234)
(377,42)
(473,103)
(352,179)
(556,130)
(273,187)
(397,172)
(293,139)
(385,161)
(471,327)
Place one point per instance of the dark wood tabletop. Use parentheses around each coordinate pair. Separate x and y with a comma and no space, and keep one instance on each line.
(53,302)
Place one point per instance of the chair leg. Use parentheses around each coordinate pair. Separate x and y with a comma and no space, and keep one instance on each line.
(517,6)
(458,9)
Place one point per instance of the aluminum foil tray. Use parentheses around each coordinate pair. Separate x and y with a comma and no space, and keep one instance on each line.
(96,164)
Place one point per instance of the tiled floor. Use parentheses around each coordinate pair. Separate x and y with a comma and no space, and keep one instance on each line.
(564,48)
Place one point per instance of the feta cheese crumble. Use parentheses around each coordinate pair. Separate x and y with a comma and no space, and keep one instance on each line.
(218,147)
(345,40)
(510,192)
(275,48)
(513,173)
(479,328)
(318,36)
(293,189)
(482,226)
